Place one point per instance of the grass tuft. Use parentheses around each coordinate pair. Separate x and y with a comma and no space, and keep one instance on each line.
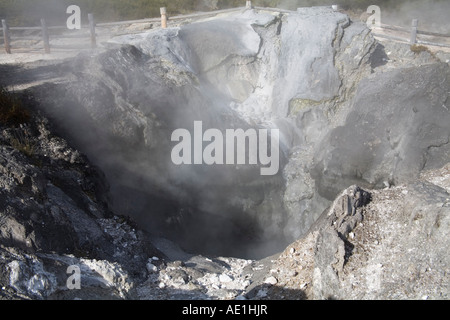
(12,111)
(22,142)
(417,49)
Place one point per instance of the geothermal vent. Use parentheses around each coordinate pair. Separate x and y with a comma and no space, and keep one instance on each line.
(157,112)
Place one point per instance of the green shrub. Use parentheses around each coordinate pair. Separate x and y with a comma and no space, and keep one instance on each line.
(417,49)
(22,142)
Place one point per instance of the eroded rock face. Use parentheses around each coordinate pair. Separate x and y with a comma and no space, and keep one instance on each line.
(307,73)
(54,214)
(252,69)
(397,126)
(393,247)
(394,252)
(50,194)
(346,116)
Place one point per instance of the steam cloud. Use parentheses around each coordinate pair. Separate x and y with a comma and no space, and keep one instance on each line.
(433,15)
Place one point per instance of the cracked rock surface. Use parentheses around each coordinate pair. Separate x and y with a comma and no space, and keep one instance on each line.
(351,111)
(252,69)
(394,247)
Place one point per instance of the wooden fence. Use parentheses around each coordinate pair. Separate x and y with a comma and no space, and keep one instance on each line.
(44,34)
(90,32)
(412,35)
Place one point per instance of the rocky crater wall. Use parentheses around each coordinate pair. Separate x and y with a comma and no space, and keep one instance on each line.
(344,118)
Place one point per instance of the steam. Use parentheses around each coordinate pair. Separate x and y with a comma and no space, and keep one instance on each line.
(29,13)
(128,102)
(433,15)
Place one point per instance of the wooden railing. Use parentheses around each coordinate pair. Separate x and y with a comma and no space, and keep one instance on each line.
(412,35)
(43,34)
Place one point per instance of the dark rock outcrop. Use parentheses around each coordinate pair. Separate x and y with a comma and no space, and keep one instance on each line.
(53,214)
(51,194)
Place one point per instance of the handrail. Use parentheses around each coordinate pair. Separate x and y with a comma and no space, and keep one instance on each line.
(90,30)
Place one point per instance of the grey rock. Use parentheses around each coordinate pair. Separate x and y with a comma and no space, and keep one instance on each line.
(349,112)
(331,251)
(390,136)
(248,69)
(30,279)
(151,267)
(397,252)
(53,214)
(271,280)
(224,278)
(308,74)
(35,208)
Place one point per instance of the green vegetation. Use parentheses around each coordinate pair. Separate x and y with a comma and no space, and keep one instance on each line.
(417,49)
(12,111)
(22,142)
(15,116)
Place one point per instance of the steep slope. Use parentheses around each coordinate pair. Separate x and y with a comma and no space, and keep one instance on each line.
(392,246)
(240,71)
(54,214)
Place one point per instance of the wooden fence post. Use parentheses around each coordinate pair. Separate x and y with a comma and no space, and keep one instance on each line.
(6,37)
(92,30)
(163,17)
(45,36)
(415,23)
(248,4)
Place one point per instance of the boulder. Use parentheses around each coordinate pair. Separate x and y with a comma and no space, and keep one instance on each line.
(387,244)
